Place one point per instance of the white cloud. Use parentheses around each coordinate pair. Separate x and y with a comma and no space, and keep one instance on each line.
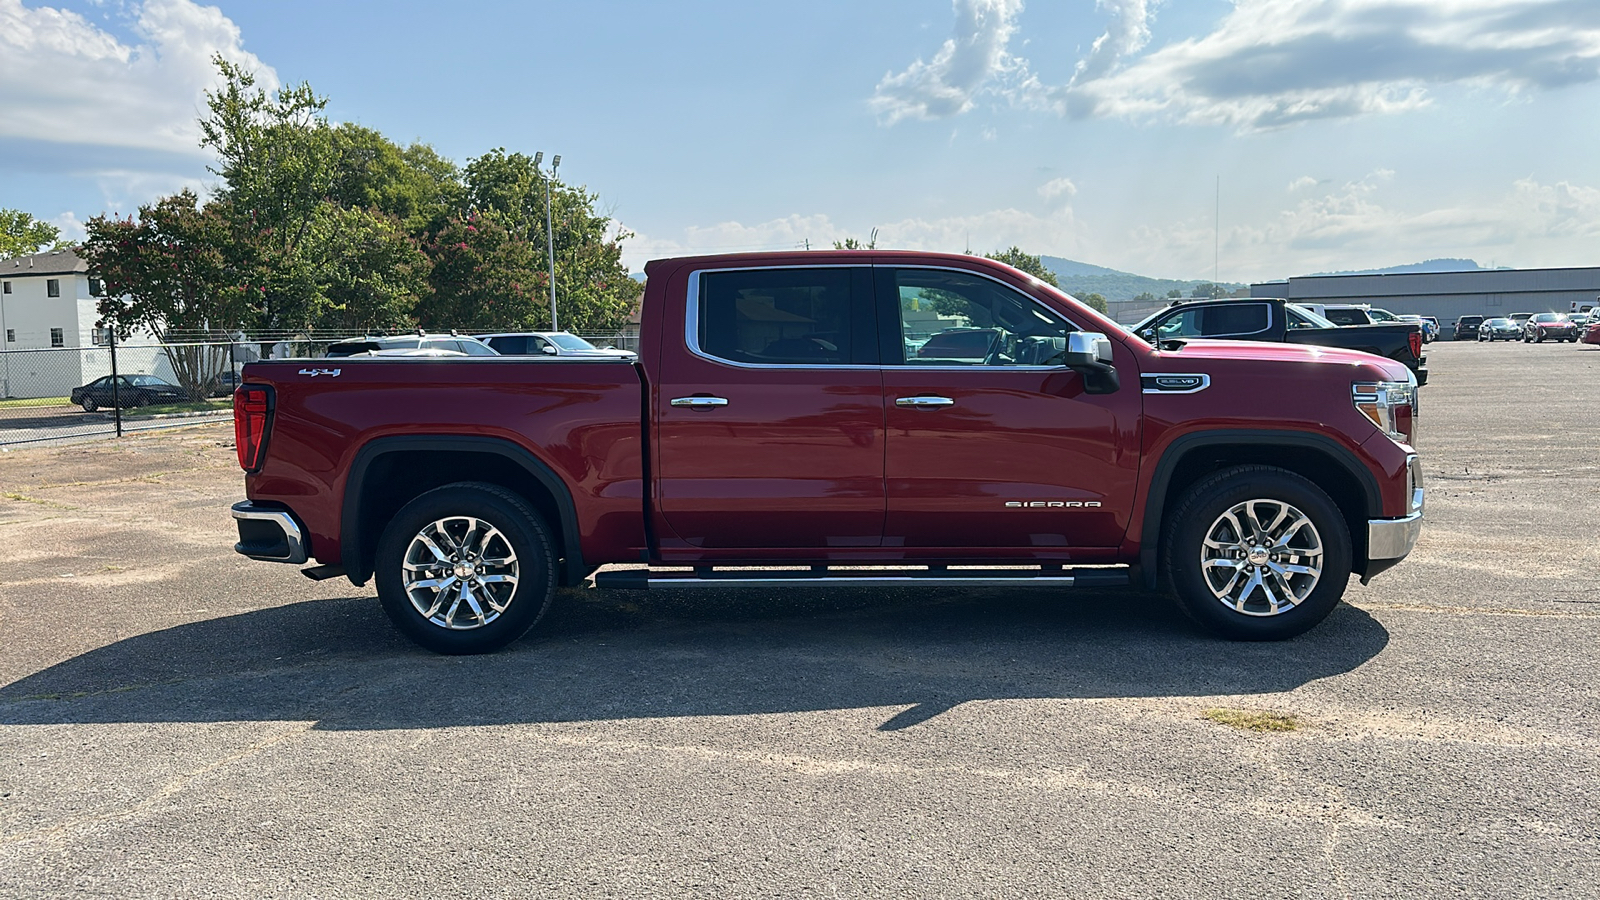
(1267,63)
(1304,181)
(1271,63)
(1055,233)
(974,56)
(1352,226)
(1058,187)
(65,80)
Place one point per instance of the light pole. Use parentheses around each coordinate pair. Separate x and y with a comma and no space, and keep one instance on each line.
(549,230)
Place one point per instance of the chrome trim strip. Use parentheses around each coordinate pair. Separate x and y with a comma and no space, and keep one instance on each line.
(1205,382)
(924,402)
(1054,581)
(293,536)
(1393,538)
(691,322)
(699,402)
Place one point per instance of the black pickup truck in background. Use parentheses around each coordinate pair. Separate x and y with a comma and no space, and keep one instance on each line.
(1275,320)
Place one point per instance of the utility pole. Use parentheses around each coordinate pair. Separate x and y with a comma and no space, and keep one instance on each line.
(1216,236)
(549,231)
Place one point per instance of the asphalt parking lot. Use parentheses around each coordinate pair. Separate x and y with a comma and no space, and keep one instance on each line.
(176,721)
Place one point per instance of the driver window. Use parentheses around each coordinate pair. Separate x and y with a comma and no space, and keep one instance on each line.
(956,319)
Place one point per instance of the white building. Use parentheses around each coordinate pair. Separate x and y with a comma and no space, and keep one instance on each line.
(48,340)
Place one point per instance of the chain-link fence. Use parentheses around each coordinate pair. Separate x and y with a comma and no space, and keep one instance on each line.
(110,389)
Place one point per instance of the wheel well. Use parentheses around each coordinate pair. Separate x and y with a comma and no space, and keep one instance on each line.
(395,478)
(1313,464)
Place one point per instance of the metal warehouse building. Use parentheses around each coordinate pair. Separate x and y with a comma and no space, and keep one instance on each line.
(1448,295)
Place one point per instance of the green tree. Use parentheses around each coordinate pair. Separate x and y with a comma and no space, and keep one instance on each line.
(173,272)
(483,277)
(1147,297)
(22,234)
(373,273)
(1208,291)
(1174,294)
(1017,259)
(415,184)
(1095,302)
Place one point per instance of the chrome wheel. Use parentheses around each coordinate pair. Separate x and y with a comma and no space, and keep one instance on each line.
(1261,557)
(460,573)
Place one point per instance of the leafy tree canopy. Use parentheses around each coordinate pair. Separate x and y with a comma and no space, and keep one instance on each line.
(22,234)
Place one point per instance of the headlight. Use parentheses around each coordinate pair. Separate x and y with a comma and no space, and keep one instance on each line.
(1389,404)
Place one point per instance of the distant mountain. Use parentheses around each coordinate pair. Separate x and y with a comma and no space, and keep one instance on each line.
(1071,267)
(1079,278)
(1428,265)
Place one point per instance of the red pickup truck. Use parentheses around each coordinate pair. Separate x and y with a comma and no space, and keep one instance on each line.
(848,418)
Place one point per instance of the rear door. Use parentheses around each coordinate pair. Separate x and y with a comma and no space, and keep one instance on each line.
(769,411)
(998,448)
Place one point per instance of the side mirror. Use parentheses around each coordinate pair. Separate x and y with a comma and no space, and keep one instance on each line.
(1089,352)
(547,349)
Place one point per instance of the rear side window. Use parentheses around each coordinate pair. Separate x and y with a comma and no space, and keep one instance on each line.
(781,316)
(1226,321)
(510,345)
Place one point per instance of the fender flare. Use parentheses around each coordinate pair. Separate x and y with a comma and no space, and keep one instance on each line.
(1183,445)
(359,568)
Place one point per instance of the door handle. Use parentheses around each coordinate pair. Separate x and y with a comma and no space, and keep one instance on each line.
(924,402)
(699,402)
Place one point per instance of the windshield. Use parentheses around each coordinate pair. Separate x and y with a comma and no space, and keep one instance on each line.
(1499,322)
(1550,317)
(144,380)
(570,342)
(1382,315)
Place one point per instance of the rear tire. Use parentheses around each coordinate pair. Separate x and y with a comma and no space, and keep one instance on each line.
(1256,553)
(89,405)
(466,568)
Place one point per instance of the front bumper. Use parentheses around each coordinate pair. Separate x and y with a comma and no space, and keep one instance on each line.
(1391,540)
(269,533)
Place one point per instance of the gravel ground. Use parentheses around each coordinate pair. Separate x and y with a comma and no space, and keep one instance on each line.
(177,721)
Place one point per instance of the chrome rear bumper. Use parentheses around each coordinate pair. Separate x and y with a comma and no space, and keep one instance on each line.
(269,534)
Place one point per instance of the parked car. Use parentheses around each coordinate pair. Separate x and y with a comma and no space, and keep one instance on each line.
(1438,330)
(1272,319)
(1549,326)
(1252,479)
(1592,336)
(1466,328)
(224,384)
(1520,318)
(1430,327)
(1499,329)
(1582,320)
(545,343)
(1342,313)
(133,390)
(442,344)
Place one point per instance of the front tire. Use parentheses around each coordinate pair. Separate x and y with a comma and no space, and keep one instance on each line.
(1257,553)
(466,568)
(89,405)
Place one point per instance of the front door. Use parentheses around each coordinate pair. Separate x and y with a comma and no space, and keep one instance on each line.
(769,414)
(991,443)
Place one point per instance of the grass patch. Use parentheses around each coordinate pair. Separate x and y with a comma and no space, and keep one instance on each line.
(1248,720)
(162,409)
(24,498)
(31,402)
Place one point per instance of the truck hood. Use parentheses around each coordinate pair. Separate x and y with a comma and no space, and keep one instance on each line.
(1195,354)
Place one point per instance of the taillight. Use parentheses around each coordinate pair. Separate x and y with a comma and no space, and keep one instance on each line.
(1415,340)
(252,413)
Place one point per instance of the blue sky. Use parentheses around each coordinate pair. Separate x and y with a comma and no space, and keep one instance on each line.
(1344,133)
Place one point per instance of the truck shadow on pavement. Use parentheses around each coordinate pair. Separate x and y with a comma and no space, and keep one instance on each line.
(624,655)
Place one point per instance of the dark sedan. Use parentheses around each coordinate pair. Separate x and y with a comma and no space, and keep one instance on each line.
(1499,329)
(1467,328)
(132,390)
(1549,326)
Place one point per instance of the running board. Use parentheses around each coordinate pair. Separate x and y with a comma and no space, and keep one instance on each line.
(858,577)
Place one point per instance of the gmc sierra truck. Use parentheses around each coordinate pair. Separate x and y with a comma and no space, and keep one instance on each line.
(845,418)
